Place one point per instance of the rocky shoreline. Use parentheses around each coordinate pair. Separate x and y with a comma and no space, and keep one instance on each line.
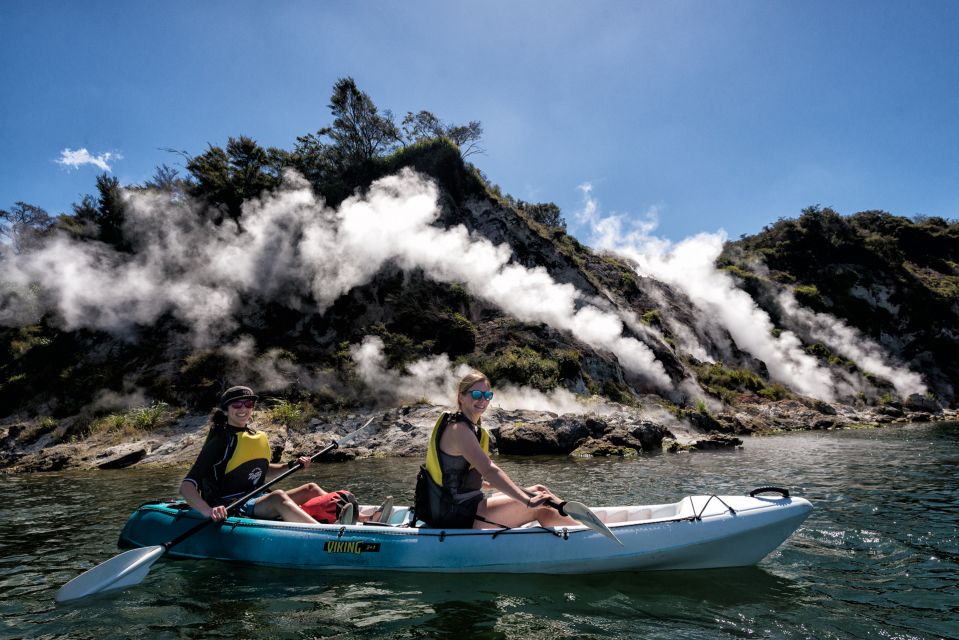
(403,431)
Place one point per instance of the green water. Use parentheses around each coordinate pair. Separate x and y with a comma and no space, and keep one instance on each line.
(878,558)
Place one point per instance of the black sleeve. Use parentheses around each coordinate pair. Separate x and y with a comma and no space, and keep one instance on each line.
(210,454)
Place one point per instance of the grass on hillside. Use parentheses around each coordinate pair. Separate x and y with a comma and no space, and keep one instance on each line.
(136,421)
(291,414)
(727,382)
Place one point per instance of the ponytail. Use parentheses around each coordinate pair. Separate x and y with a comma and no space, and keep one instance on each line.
(218,421)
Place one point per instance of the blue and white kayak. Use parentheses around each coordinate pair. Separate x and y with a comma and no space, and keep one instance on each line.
(698,532)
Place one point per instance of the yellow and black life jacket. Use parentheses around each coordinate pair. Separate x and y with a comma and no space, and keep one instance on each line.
(433,465)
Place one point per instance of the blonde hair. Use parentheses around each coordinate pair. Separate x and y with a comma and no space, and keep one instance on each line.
(468,381)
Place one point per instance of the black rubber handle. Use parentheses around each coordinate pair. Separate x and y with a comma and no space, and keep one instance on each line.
(783,492)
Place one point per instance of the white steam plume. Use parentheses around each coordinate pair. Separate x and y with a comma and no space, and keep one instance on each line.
(849,342)
(689,265)
(434,379)
(286,242)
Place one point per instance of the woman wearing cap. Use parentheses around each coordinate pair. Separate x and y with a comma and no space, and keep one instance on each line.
(235,459)
(458,468)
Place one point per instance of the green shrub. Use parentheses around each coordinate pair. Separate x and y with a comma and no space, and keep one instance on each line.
(148,418)
(653,318)
(521,365)
(809,296)
(725,382)
(27,338)
(115,422)
(618,393)
(774,392)
(291,414)
(819,350)
(570,363)
(456,335)
(726,396)
(718,375)
(740,273)
(136,421)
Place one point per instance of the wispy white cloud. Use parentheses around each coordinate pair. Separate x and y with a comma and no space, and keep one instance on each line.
(76,158)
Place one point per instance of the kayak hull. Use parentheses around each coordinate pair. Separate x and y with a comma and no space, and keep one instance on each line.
(699,532)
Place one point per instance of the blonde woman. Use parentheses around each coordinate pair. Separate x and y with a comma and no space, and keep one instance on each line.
(458,467)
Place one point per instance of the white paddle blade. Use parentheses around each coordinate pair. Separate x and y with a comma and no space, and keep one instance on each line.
(581,513)
(128,568)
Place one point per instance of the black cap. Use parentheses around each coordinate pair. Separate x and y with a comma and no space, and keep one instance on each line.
(236,393)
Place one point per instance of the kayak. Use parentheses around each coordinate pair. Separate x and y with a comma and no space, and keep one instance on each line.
(697,532)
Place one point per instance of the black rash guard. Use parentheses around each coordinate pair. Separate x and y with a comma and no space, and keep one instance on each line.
(232,462)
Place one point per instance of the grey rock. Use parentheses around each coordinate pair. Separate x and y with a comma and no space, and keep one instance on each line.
(121,456)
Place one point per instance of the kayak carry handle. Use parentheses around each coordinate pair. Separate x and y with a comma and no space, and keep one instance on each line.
(783,492)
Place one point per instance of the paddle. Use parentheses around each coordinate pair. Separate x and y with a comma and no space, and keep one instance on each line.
(131,567)
(583,515)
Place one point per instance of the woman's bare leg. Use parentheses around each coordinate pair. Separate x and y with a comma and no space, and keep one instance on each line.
(505,511)
(279,504)
(306,492)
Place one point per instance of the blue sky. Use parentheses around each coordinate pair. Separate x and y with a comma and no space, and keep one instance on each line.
(711,114)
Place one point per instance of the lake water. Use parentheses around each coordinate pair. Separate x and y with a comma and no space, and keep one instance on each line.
(878,557)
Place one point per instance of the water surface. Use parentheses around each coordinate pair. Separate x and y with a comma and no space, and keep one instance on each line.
(878,557)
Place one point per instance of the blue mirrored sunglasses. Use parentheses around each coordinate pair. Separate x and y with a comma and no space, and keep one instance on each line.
(476,394)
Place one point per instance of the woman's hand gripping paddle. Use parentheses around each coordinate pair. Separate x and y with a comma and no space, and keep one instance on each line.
(131,567)
(583,515)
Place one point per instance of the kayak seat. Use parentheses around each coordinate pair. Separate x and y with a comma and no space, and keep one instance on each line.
(385,512)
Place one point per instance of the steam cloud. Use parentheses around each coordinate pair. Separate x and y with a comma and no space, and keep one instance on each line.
(689,265)
(287,242)
(435,379)
(849,342)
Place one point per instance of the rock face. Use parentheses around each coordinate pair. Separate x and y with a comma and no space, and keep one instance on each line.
(557,436)
(581,435)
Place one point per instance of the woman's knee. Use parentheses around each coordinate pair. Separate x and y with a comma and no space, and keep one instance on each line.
(280,497)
